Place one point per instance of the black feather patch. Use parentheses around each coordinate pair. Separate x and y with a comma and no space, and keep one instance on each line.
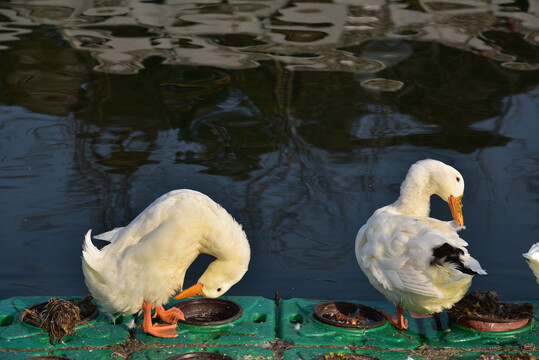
(449,254)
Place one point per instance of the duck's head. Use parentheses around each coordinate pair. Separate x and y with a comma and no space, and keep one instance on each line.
(218,278)
(428,177)
(448,184)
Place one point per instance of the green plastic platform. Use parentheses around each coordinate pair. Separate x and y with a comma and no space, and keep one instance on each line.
(15,334)
(90,354)
(255,326)
(312,353)
(21,355)
(298,325)
(463,338)
(263,332)
(237,352)
(476,355)
(319,353)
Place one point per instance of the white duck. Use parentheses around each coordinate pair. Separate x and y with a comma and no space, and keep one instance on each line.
(417,262)
(146,261)
(533,260)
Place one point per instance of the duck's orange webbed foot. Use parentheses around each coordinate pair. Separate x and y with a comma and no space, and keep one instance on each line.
(170,316)
(397,321)
(159,330)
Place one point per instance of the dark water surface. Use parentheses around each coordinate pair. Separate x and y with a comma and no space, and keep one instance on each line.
(300,118)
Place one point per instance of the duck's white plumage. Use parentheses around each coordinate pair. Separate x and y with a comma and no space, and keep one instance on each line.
(533,260)
(415,261)
(147,260)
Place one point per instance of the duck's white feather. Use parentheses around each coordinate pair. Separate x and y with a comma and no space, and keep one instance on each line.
(109,235)
(395,251)
(533,259)
(147,259)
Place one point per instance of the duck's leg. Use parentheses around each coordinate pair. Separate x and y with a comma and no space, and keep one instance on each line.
(439,326)
(170,316)
(399,322)
(159,330)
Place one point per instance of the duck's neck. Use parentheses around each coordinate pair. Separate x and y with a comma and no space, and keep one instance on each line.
(415,195)
(227,242)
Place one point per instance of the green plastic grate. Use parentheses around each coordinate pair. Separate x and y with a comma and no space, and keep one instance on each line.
(492,355)
(70,354)
(463,338)
(236,352)
(22,355)
(15,334)
(324,353)
(253,335)
(298,325)
(255,326)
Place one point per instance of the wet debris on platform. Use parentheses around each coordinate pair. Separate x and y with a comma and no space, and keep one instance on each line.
(59,317)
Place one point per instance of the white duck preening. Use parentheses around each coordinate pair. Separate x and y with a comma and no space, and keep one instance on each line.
(417,262)
(146,261)
(533,260)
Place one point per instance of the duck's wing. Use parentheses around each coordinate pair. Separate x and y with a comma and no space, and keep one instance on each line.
(404,278)
(399,252)
(448,249)
(170,207)
(386,256)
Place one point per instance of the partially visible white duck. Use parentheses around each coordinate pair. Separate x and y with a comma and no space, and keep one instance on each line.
(146,261)
(533,260)
(417,262)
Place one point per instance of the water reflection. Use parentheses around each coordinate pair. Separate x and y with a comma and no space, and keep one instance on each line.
(301,118)
(242,34)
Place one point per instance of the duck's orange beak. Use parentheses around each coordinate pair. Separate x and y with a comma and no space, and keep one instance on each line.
(455,205)
(195,290)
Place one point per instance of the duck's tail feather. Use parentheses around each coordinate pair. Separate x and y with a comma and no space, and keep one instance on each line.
(109,235)
(530,253)
(90,254)
(95,280)
(533,261)
(474,265)
(463,262)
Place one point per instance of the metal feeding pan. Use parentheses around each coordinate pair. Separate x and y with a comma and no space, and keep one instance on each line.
(209,312)
(201,356)
(348,315)
(482,310)
(494,325)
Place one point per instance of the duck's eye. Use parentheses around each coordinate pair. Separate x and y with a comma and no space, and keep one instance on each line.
(218,289)
(458,179)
